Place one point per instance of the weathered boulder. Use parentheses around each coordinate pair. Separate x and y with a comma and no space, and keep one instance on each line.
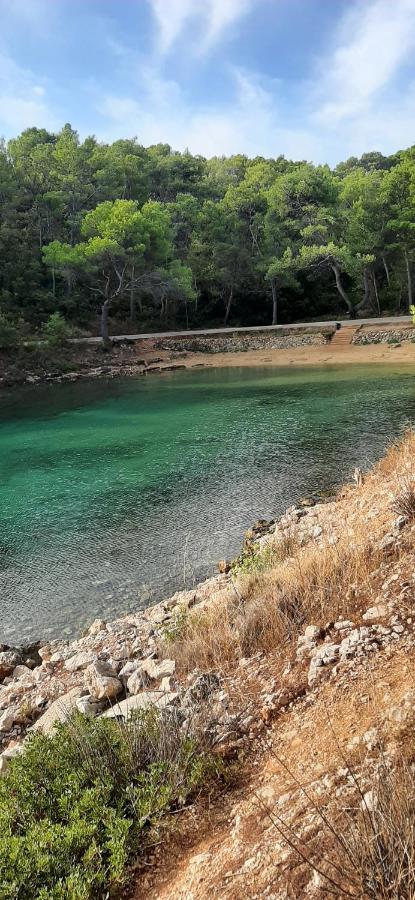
(158,669)
(101,681)
(89,707)
(136,682)
(79,660)
(9,717)
(59,711)
(7,756)
(375,612)
(9,659)
(97,626)
(125,708)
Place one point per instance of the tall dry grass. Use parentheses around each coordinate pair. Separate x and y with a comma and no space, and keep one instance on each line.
(287,586)
(266,609)
(362,845)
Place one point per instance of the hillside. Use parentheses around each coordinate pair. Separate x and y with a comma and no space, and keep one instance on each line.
(308,648)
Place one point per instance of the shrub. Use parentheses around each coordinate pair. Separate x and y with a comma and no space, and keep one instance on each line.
(76,806)
(9,333)
(404,502)
(56,330)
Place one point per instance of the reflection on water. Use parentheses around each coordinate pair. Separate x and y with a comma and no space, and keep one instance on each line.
(115,493)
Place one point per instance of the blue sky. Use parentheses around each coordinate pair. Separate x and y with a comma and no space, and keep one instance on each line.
(312,79)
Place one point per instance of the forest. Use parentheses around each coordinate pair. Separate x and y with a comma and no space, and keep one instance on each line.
(99,237)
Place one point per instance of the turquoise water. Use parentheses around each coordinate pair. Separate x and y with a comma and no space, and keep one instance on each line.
(115,493)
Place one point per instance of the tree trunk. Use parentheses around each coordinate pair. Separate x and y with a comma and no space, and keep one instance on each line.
(228,306)
(132,298)
(53,282)
(340,288)
(274,303)
(366,299)
(408,275)
(386,268)
(375,285)
(104,323)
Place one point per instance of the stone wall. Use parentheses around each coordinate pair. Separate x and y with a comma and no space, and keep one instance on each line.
(389,336)
(237,342)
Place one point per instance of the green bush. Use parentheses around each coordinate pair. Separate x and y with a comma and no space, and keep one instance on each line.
(56,330)
(76,807)
(9,333)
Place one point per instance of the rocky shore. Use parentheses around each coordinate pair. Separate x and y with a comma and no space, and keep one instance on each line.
(121,666)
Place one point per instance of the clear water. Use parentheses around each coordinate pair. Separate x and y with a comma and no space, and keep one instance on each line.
(116,493)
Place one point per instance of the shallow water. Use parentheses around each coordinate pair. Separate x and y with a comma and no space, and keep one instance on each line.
(115,493)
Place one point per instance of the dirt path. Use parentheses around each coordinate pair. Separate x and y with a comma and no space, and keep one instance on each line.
(233,850)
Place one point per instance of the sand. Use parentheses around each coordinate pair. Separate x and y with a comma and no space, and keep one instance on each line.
(388,354)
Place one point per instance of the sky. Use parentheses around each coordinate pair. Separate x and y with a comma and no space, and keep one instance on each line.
(311,79)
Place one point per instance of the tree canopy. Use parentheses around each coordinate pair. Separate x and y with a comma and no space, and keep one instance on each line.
(154,237)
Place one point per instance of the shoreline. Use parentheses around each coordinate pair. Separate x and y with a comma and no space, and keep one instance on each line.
(324,356)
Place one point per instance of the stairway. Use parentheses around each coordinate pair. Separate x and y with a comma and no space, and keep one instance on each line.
(343,336)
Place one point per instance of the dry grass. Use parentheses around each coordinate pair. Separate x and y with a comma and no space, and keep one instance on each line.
(276,591)
(268,608)
(363,844)
(404,502)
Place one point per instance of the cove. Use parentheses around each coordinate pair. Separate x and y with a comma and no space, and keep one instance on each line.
(114,494)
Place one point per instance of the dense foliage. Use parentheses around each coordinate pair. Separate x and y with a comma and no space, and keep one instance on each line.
(75,807)
(155,237)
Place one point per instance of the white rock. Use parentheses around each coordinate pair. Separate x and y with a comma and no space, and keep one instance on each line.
(79,661)
(88,707)
(343,625)
(146,699)
(7,756)
(131,666)
(312,633)
(136,682)
(101,681)
(155,669)
(97,626)
(59,711)
(375,612)
(9,659)
(8,718)
(369,802)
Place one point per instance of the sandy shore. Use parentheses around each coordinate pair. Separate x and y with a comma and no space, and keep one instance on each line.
(302,356)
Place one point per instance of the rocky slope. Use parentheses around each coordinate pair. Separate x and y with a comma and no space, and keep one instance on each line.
(312,705)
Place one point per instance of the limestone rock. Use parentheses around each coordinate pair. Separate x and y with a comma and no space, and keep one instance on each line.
(79,660)
(158,669)
(124,708)
(59,711)
(324,656)
(89,707)
(7,756)
(375,612)
(97,626)
(52,647)
(127,670)
(101,681)
(9,659)
(8,718)
(136,682)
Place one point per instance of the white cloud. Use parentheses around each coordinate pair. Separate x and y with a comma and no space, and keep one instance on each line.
(210,20)
(171,17)
(22,99)
(249,122)
(374,40)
